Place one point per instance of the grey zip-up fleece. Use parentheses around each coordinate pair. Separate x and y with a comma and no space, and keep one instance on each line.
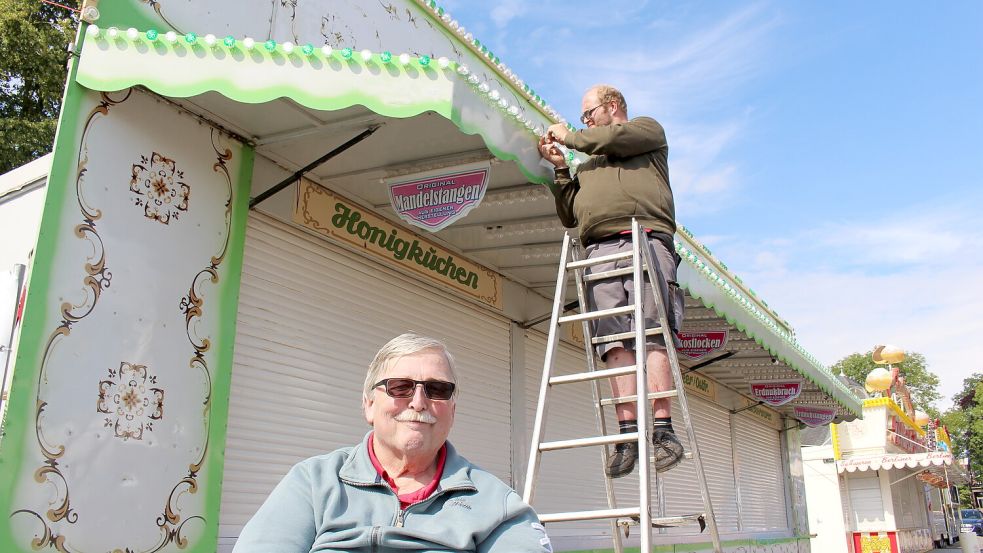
(338,502)
(626,176)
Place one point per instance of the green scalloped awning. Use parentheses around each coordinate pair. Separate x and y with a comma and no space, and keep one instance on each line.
(727,299)
(176,67)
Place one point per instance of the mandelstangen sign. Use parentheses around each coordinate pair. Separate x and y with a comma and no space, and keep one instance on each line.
(434,201)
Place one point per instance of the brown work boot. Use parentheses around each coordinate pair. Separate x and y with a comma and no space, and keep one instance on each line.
(667,450)
(623,460)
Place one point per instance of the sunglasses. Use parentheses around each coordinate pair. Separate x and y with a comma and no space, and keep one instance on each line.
(589,114)
(405,387)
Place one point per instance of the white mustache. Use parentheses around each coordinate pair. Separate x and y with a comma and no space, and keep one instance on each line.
(416,416)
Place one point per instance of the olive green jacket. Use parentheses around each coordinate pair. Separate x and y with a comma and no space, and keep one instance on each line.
(626,176)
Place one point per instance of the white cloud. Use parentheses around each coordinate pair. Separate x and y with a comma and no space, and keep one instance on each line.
(911,279)
(507,10)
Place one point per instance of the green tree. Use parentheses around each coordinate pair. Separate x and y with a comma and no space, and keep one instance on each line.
(922,382)
(964,421)
(34,39)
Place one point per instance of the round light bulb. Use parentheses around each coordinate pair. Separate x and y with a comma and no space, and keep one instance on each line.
(386,57)
(463,70)
(307,49)
(366,55)
(132,33)
(443,62)
(191,38)
(270,45)
(151,34)
(170,36)
(112,32)
(347,53)
(229,41)
(287,46)
(404,59)
(326,50)
(494,95)
(92,30)
(503,103)
(248,43)
(484,88)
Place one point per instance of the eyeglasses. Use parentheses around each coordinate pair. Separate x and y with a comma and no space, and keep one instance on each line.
(405,387)
(589,114)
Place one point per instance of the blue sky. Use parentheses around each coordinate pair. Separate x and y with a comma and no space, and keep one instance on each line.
(828,152)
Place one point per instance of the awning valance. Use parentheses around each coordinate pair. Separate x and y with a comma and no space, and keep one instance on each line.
(895,461)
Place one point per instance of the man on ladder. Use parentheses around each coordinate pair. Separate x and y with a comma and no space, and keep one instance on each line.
(626,177)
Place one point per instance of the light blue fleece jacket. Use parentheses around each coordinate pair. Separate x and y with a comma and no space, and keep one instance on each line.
(338,502)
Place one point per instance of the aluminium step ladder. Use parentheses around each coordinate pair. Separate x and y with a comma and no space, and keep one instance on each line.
(643,260)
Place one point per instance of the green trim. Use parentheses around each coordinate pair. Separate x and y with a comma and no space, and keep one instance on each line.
(35,327)
(228,309)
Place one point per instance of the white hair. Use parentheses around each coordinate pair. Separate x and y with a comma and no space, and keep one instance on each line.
(401,346)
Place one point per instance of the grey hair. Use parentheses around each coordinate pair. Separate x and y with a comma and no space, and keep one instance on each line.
(401,346)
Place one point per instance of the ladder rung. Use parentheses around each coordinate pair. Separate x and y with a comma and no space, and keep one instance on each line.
(593,375)
(609,274)
(666,522)
(598,260)
(590,315)
(624,336)
(586,442)
(631,398)
(590,515)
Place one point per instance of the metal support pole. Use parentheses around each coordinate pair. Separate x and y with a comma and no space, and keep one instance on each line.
(296,176)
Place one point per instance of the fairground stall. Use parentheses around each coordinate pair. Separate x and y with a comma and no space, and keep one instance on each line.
(247,199)
(885,483)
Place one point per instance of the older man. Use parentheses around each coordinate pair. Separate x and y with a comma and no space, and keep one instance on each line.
(626,177)
(404,487)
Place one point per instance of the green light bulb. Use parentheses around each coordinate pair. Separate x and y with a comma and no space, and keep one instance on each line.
(152,35)
(270,45)
(386,56)
(424,60)
(229,41)
(308,49)
(191,38)
(346,53)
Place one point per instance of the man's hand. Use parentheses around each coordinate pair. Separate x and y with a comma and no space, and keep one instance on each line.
(551,153)
(557,133)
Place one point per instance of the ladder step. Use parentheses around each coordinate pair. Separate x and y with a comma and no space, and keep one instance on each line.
(586,442)
(598,260)
(609,274)
(590,315)
(632,398)
(667,522)
(654,331)
(590,515)
(593,375)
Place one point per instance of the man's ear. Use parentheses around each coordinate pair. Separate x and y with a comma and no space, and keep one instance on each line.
(367,409)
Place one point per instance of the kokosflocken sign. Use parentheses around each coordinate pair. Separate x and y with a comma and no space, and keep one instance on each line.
(776,392)
(434,201)
(697,345)
(331,215)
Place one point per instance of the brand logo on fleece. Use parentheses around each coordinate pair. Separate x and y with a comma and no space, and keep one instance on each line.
(459,503)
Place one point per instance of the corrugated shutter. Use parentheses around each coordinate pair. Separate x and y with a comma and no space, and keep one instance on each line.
(761,476)
(867,507)
(573,479)
(311,317)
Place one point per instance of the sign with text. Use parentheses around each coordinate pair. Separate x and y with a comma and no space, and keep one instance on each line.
(814,416)
(700,385)
(776,392)
(434,201)
(338,218)
(697,345)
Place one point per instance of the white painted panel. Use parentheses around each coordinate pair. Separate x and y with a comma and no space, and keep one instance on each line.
(311,317)
(761,476)
(909,500)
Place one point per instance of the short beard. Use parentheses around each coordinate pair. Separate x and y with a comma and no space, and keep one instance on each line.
(410,415)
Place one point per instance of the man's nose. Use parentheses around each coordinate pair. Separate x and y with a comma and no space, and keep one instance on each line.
(418,400)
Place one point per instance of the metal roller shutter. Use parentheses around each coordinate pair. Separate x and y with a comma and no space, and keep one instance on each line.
(761,476)
(311,317)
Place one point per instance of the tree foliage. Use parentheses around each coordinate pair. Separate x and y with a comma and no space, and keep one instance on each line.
(922,382)
(34,39)
(964,421)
